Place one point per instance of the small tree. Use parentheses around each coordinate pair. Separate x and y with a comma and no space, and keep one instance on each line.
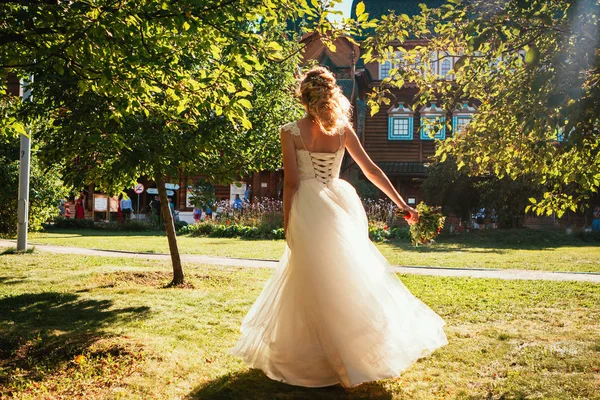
(203,194)
(450,188)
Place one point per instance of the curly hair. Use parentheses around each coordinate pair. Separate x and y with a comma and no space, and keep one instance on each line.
(324,101)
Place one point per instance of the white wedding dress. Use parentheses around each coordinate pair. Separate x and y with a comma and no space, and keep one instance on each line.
(332,312)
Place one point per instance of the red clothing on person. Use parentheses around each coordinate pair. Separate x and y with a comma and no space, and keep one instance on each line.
(79,211)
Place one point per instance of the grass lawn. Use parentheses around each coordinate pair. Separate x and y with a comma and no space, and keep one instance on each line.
(91,327)
(505,249)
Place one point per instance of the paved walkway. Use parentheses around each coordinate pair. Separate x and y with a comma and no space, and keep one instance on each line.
(508,274)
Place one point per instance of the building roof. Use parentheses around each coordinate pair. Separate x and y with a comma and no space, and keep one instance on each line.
(377,8)
(402,168)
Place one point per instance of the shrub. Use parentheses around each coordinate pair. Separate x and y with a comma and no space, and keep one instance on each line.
(70,223)
(179,225)
(217,229)
(81,224)
(378,232)
(135,226)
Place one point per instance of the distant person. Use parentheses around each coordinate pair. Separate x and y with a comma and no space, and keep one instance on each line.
(197,213)
(61,208)
(67,210)
(208,212)
(248,193)
(596,220)
(79,209)
(126,208)
(171,207)
(237,203)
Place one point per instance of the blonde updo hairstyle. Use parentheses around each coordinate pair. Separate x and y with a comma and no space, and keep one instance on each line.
(325,103)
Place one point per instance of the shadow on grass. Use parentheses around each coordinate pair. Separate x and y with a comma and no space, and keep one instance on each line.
(12,280)
(499,241)
(255,385)
(41,332)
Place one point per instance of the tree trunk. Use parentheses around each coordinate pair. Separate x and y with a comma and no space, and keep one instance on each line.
(170,229)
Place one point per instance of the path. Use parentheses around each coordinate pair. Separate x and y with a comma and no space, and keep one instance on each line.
(509,274)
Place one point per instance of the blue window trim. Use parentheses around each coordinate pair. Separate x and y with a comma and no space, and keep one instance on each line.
(391,135)
(455,122)
(441,135)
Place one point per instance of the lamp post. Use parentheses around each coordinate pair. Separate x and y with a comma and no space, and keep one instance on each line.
(24,172)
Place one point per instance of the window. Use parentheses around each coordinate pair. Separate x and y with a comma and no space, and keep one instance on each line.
(400,123)
(384,69)
(387,66)
(460,122)
(400,128)
(446,66)
(461,117)
(428,125)
(411,201)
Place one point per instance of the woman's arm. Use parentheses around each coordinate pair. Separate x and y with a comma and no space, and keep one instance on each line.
(290,174)
(375,174)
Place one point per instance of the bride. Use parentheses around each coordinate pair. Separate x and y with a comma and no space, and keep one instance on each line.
(331,313)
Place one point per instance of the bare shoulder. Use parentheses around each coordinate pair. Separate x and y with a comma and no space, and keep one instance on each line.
(291,128)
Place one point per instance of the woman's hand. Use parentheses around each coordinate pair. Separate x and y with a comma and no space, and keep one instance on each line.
(414,215)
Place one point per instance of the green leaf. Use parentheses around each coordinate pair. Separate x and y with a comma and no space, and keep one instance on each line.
(459,63)
(374,109)
(274,46)
(19,128)
(532,200)
(532,57)
(245,103)
(360,8)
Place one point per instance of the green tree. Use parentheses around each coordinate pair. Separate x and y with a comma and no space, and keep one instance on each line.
(203,194)
(450,188)
(534,68)
(46,189)
(151,87)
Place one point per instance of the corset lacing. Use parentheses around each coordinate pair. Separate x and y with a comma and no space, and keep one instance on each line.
(322,163)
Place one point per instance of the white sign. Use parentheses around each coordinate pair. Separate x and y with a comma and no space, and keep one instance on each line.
(139,188)
(100,203)
(155,191)
(172,186)
(235,189)
(263,184)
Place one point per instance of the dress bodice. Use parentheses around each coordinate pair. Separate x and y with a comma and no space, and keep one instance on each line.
(316,165)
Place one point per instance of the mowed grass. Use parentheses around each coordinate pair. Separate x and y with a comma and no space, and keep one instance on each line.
(503,249)
(77,327)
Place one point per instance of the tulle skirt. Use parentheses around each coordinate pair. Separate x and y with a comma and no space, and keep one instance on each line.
(332,312)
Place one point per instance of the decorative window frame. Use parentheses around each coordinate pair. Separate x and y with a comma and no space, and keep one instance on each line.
(403,112)
(462,111)
(432,113)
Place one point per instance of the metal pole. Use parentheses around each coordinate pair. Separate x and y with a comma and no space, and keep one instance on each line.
(24,171)
(138,207)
